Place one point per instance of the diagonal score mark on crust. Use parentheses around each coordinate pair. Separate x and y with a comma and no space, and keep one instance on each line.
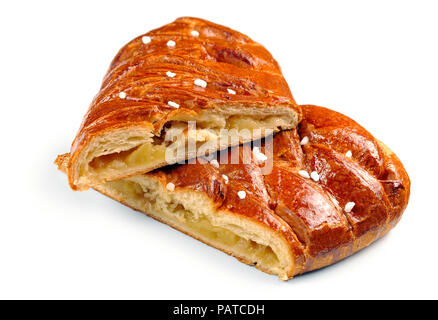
(307,235)
(368,166)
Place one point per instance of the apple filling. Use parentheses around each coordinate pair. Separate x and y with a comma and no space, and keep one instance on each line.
(184,143)
(194,215)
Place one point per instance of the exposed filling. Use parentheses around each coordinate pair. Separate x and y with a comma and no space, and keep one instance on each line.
(177,134)
(145,153)
(174,207)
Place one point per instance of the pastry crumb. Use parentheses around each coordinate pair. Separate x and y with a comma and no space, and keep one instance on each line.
(170,186)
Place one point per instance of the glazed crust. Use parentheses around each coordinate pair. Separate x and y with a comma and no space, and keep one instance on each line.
(309,215)
(224,58)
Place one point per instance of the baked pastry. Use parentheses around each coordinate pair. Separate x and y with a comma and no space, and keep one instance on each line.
(188,70)
(330,190)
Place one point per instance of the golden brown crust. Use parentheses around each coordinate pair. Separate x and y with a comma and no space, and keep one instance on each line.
(318,228)
(224,58)
(310,214)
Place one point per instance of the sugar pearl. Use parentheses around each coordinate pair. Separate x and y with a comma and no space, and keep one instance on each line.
(241,194)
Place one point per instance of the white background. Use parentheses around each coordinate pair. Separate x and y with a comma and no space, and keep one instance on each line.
(375,61)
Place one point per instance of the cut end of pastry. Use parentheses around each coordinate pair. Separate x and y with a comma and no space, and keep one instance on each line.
(197,215)
(126,152)
(160,81)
